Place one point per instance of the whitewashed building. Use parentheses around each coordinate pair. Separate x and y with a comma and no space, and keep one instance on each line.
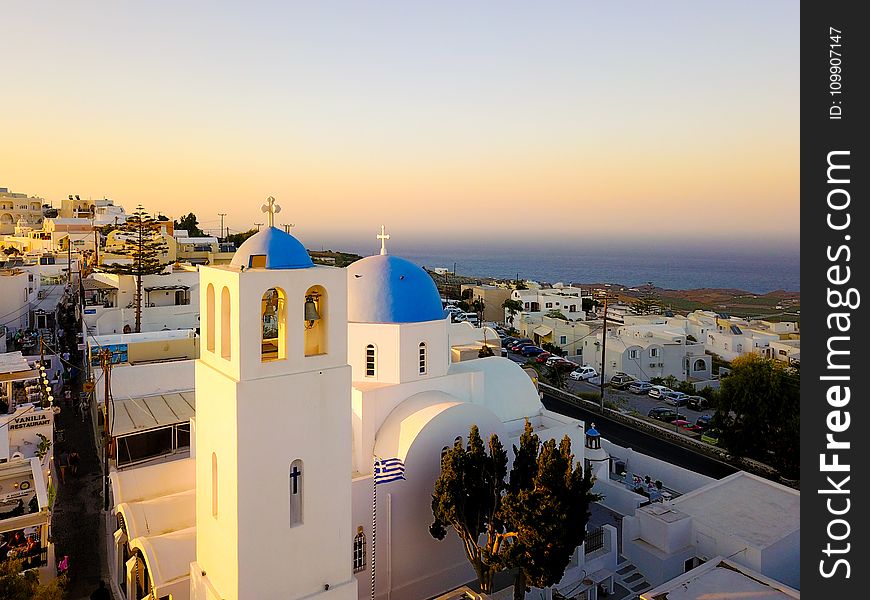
(307,374)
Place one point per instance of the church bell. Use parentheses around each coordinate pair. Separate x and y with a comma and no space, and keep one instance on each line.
(311,314)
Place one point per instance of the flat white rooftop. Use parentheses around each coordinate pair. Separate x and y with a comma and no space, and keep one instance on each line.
(148,336)
(723,580)
(758,511)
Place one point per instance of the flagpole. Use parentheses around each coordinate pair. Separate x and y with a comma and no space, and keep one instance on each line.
(374,527)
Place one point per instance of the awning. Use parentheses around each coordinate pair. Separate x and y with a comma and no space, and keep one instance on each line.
(94,284)
(543,330)
(168,556)
(159,515)
(158,288)
(153,481)
(149,412)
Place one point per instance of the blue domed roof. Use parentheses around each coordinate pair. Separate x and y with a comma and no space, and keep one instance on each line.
(282,251)
(389,289)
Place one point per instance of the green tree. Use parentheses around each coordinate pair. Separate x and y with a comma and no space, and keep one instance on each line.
(547,505)
(646,306)
(513,308)
(15,585)
(467,497)
(588,304)
(190,224)
(239,238)
(758,411)
(556,314)
(144,245)
(478,306)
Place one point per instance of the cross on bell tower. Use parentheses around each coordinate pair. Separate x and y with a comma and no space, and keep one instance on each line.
(383,236)
(271,209)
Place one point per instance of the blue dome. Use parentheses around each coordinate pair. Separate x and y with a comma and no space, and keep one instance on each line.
(389,289)
(592,432)
(280,249)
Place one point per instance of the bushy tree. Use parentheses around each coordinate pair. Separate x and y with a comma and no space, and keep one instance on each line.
(758,411)
(15,585)
(239,238)
(513,308)
(190,224)
(532,522)
(467,497)
(144,245)
(547,505)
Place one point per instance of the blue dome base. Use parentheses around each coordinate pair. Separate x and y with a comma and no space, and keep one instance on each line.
(389,289)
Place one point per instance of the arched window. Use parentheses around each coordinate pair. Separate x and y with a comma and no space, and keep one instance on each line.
(296,488)
(226,324)
(214,485)
(359,550)
(273,315)
(315,319)
(371,360)
(700,365)
(209,318)
(422,352)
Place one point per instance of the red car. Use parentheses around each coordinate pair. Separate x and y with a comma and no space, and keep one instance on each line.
(687,425)
(542,357)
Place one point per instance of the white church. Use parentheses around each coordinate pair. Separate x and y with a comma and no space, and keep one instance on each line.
(306,375)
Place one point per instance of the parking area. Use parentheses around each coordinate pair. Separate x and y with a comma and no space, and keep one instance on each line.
(635,404)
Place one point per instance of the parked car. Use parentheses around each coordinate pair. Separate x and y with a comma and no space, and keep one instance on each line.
(531,350)
(564,362)
(471,318)
(553,360)
(704,422)
(675,398)
(508,341)
(583,373)
(656,391)
(684,424)
(621,381)
(663,413)
(711,436)
(504,352)
(640,387)
(543,357)
(697,403)
(519,344)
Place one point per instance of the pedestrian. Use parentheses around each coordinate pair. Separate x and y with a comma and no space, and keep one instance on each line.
(63,565)
(67,396)
(74,460)
(62,464)
(101,593)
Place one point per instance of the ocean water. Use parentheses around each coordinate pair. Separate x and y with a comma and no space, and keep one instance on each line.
(757,272)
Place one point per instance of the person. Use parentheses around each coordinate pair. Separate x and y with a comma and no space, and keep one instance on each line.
(63,565)
(74,460)
(101,593)
(67,396)
(62,464)
(32,550)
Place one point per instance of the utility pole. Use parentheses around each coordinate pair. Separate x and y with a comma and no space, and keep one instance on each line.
(603,354)
(258,226)
(222,215)
(106,363)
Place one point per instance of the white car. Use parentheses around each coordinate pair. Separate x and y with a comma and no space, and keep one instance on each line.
(583,373)
(657,391)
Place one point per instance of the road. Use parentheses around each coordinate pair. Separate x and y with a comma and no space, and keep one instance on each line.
(623,435)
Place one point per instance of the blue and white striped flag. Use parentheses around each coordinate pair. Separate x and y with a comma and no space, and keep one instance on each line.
(389,469)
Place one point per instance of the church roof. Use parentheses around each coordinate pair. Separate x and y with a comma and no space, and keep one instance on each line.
(282,250)
(390,289)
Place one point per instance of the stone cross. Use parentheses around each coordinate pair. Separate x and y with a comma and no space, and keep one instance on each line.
(271,208)
(383,237)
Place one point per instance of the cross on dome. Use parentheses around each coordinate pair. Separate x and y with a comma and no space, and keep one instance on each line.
(383,236)
(271,208)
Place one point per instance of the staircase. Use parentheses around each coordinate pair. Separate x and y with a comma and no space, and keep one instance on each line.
(629,577)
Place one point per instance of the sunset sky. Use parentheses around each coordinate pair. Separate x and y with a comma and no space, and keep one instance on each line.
(557,120)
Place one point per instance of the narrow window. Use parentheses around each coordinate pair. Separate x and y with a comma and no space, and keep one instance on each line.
(370,360)
(296,489)
(226,324)
(214,485)
(422,358)
(654,352)
(359,550)
(209,318)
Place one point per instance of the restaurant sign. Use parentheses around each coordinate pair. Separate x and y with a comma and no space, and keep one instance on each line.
(27,421)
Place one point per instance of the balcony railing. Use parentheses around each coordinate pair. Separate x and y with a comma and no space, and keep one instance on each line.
(594,540)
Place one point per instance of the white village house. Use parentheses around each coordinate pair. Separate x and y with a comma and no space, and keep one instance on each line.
(307,374)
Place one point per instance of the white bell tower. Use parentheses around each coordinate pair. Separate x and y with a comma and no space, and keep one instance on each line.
(273,441)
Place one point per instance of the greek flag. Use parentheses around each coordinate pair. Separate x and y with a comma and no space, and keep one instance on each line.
(388,469)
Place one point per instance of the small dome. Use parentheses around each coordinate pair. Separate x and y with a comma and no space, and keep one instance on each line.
(280,249)
(389,289)
(592,432)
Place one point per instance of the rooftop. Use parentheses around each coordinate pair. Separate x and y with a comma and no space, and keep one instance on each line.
(723,580)
(758,511)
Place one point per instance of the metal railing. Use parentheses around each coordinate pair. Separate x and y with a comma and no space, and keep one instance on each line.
(594,540)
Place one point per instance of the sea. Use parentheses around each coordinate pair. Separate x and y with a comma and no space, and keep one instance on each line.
(757,272)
